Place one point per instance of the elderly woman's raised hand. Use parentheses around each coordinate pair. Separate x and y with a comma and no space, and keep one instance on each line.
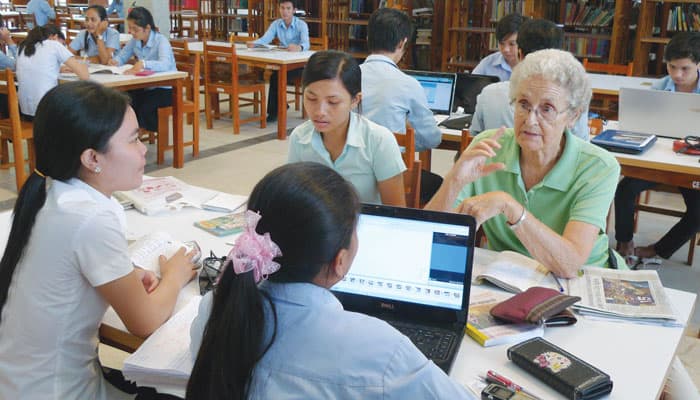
(472,163)
(486,206)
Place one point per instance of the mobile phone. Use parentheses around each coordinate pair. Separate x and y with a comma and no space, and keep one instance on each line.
(193,245)
(495,391)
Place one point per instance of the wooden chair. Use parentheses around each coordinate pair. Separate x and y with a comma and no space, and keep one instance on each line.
(15,130)
(190,63)
(610,69)
(606,105)
(317,44)
(411,177)
(221,77)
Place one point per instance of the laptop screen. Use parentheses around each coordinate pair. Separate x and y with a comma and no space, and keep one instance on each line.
(439,88)
(468,87)
(410,260)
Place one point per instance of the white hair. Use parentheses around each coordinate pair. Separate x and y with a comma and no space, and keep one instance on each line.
(559,67)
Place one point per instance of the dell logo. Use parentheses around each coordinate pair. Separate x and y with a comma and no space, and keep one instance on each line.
(387,306)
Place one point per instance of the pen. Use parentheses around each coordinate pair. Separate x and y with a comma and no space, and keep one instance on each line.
(494,377)
(561,288)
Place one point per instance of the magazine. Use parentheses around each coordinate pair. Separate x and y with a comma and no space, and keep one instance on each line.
(225,225)
(488,331)
(513,272)
(167,193)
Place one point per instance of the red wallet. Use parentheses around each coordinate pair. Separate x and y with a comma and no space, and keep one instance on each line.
(535,305)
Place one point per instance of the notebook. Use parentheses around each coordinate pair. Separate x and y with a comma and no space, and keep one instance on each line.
(468,87)
(413,269)
(641,111)
(439,88)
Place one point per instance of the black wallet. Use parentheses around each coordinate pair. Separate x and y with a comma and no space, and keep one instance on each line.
(566,373)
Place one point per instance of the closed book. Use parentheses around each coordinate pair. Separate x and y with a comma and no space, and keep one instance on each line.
(624,141)
(225,225)
(488,331)
(561,370)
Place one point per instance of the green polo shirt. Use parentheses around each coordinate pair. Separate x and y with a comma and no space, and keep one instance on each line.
(580,187)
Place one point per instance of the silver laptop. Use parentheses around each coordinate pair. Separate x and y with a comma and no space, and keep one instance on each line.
(660,112)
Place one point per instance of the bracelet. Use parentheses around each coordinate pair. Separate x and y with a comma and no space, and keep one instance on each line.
(519,221)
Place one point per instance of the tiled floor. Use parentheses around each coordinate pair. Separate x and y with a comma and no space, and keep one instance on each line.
(235,163)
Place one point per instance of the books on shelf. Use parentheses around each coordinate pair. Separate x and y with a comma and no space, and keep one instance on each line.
(684,18)
(487,330)
(624,141)
(167,193)
(225,225)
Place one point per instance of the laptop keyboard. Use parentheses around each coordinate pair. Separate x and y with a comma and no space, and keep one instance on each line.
(435,343)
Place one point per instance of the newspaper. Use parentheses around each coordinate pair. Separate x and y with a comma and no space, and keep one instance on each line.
(634,295)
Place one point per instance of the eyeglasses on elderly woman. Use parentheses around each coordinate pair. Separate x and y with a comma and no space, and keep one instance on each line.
(545,112)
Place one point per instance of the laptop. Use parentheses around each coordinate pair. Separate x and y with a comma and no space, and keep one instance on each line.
(439,88)
(468,87)
(413,270)
(641,110)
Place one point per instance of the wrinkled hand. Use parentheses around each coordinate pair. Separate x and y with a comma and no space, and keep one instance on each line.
(485,206)
(180,266)
(472,165)
(149,279)
(293,47)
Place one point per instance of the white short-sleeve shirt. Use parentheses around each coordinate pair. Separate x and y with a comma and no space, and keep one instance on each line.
(370,155)
(48,330)
(38,74)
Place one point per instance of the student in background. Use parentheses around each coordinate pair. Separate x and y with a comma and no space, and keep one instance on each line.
(364,153)
(66,258)
(117,7)
(150,50)
(7,60)
(493,108)
(293,34)
(502,62)
(389,96)
(42,11)
(272,327)
(97,41)
(39,61)
(682,57)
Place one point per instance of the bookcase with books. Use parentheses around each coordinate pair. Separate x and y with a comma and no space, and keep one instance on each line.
(658,22)
(592,29)
(219,18)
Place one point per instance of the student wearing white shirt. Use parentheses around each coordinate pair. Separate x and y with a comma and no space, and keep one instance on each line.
(66,258)
(39,61)
(272,329)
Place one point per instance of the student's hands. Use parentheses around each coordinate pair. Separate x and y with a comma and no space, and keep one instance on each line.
(148,278)
(178,267)
(113,62)
(65,69)
(6,36)
(101,28)
(472,165)
(250,45)
(486,206)
(138,67)
(293,47)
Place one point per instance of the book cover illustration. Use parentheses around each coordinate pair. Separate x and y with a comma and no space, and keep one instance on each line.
(225,225)
(488,331)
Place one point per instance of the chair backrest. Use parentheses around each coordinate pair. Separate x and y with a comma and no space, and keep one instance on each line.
(612,69)
(411,185)
(9,88)
(190,63)
(319,43)
(233,38)
(465,140)
(27,20)
(220,66)
(407,142)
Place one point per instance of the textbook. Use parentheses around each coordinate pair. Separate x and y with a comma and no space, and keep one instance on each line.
(223,226)
(108,69)
(224,202)
(156,195)
(145,251)
(513,272)
(487,330)
(624,141)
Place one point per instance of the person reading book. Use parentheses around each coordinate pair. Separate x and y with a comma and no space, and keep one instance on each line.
(97,42)
(682,57)
(272,327)
(66,257)
(364,153)
(536,188)
(293,35)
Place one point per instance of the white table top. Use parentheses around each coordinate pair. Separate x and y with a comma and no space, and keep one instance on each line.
(263,55)
(613,83)
(115,81)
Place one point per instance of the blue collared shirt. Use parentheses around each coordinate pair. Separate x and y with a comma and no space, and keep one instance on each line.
(493,110)
(118,7)
(667,84)
(110,37)
(324,352)
(494,64)
(296,33)
(390,97)
(42,11)
(156,54)
(370,154)
(8,60)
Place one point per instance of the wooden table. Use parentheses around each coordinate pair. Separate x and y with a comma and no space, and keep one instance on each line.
(281,61)
(131,82)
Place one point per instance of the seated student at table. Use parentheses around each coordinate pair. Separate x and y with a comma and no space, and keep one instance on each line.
(502,62)
(292,33)
(536,188)
(272,327)
(97,41)
(7,60)
(390,97)
(682,57)
(39,62)
(116,7)
(493,108)
(150,51)
(364,153)
(43,12)
(66,258)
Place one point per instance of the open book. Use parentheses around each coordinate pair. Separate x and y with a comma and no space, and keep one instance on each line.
(514,272)
(156,195)
(108,69)
(145,251)
(488,331)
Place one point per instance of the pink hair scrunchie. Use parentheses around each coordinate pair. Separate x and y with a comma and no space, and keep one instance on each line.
(254,252)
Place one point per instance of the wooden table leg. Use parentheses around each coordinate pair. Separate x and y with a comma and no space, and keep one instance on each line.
(178,140)
(282,103)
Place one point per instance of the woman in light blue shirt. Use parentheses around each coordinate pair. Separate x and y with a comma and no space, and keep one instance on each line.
(151,51)
(364,153)
(97,41)
(289,335)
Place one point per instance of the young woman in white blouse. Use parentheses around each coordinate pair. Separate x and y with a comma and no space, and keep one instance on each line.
(66,258)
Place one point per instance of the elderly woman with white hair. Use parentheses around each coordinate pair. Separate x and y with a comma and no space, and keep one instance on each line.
(536,188)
